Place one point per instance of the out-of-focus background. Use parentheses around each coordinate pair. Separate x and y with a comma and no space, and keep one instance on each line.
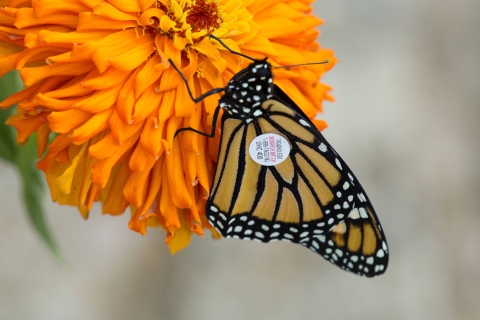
(406,120)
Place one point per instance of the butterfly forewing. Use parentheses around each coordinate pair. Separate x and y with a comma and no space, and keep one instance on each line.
(311,198)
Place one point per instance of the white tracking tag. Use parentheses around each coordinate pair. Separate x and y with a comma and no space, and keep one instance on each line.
(269,149)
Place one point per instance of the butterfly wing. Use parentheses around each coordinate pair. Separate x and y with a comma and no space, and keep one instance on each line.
(311,198)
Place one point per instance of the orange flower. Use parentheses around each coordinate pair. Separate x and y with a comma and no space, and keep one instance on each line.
(98,81)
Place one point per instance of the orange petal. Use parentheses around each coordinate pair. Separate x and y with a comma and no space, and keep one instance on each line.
(125,55)
(27,126)
(43,133)
(181,238)
(87,21)
(139,159)
(65,180)
(32,75)
(100,100)
(148,75)
(65,121)
(138,185)
(167,208)
(176,180)
(97,123)
(114,202)
(110,78)
(102,169)
(126,5)
(108,11)
(43,7)
(122,131)
(148,102)
(126,98)
(26,18)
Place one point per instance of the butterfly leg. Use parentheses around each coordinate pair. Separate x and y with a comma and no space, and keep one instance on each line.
(203,96)
(214,124)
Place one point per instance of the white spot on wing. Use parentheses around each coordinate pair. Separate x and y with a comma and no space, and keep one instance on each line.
(354,214)
(258,234)
(322,147)
(363,213)
(337,162)
(257,113)
(304,123)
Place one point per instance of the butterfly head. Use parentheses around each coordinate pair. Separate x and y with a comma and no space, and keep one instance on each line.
(248,89)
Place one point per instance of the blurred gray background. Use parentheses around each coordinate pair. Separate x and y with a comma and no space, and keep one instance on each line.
(406,120)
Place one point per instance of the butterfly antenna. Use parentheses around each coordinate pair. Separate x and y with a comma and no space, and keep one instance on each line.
(230,50)
(203,96)
(300,64)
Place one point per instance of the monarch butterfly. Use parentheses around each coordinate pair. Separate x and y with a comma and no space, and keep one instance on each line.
(277,178)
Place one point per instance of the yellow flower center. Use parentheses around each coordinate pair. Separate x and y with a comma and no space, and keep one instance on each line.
(192,20)
(203,16)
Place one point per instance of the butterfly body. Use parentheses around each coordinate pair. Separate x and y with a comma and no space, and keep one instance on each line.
(310,197)
(247,90)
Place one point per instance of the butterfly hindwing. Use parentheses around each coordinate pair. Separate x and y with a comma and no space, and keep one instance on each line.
(311,197)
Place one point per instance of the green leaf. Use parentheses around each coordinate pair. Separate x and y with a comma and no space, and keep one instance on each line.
(33,192)
(9,84)
(24,159)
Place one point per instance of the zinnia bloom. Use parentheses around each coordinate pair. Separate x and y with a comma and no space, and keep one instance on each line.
(105,104)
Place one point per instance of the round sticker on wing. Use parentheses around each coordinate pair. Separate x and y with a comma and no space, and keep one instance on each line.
(269,149)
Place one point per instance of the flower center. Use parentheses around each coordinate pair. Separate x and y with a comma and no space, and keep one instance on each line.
(202,16)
